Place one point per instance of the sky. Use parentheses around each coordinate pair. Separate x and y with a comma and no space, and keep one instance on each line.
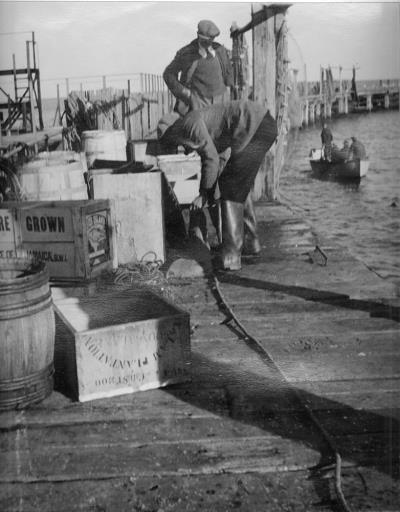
(95,38)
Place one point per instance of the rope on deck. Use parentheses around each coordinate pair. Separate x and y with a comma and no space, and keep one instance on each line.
(248,337)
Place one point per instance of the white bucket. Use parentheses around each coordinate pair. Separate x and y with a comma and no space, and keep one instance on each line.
(104,145)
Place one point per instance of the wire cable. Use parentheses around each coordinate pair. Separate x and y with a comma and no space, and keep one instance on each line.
(247,336)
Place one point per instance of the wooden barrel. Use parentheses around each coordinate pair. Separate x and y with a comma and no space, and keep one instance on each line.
(104,145)
(53,179)
(27,333)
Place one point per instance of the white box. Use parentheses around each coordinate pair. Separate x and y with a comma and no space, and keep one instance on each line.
(139,214)
(183,173)
(141,342)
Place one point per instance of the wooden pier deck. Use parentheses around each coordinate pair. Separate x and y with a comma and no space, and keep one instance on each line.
(318,372)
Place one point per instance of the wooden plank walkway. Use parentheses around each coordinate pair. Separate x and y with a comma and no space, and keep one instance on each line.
(320,367)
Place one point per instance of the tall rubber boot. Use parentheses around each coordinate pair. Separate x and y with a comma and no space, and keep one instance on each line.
(251,244)
(232,235)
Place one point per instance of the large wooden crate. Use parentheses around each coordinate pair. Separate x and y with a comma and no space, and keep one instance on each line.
(139,213)
(183,173)
(142,342)
(76,239)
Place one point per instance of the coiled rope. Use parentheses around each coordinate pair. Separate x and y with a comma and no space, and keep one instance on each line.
(145,273)
(248,337)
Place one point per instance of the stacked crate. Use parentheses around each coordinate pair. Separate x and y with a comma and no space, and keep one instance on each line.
(76,239)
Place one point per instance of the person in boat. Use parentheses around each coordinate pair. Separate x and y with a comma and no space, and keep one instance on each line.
(326,139)
(340,155)
(346,146)
(249,130)
(357,149)
(200,72)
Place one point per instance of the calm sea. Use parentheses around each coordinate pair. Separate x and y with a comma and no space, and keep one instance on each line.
(364,217)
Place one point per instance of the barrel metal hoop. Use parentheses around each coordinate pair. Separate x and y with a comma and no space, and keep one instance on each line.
(18,393)
(26,380)
(26,308)
(6,288)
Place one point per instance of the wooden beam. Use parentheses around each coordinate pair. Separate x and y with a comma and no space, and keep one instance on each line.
(21,71)
(258,17)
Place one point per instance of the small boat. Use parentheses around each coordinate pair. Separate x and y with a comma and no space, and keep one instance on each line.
(346,170)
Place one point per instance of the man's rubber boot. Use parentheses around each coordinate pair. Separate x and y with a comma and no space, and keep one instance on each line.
(251,244)
(232,235)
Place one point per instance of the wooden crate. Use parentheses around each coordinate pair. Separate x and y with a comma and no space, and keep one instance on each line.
(9,230)
(142,342)
(76,239)
(183,173)
(139,214)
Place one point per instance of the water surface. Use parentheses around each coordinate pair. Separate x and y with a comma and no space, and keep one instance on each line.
(363,217)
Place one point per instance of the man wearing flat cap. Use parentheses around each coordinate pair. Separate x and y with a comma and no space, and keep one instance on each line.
(200,73)
(248,130)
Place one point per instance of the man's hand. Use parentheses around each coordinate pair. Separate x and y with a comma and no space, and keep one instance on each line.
(187,94)
(199,202)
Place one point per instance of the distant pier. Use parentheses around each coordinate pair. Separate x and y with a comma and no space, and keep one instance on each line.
(326,99)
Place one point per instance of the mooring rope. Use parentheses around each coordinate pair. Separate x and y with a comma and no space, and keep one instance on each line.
(248,337)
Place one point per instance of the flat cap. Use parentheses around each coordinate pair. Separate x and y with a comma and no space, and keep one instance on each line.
(206,29)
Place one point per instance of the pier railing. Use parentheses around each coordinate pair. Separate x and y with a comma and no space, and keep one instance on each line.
(135,108)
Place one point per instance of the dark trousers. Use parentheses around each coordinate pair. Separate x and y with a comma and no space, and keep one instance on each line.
(238,176)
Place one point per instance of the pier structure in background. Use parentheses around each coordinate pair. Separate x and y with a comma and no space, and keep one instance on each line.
(21,103)
(331,97)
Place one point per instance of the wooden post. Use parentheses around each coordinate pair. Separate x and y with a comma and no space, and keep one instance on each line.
(321,82)
(387,100)
(264,84)
(264,63)
(37,80)
(328,111)
(305,117)
(123,111)
(128,111)
(306,102)
(15,78)
(318,110)
(305,81)
(67,86)
(9,114)
(312,113)
(59,104)
(104,83)
(33,116)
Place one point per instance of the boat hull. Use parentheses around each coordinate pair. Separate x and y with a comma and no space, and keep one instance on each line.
(351,169)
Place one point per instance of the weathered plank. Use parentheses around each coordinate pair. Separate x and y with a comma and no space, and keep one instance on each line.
(202,456)
(364,489)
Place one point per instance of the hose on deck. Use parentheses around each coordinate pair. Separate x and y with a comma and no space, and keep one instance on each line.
(248,337)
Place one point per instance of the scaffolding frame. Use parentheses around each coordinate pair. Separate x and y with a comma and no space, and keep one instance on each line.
(24,102)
